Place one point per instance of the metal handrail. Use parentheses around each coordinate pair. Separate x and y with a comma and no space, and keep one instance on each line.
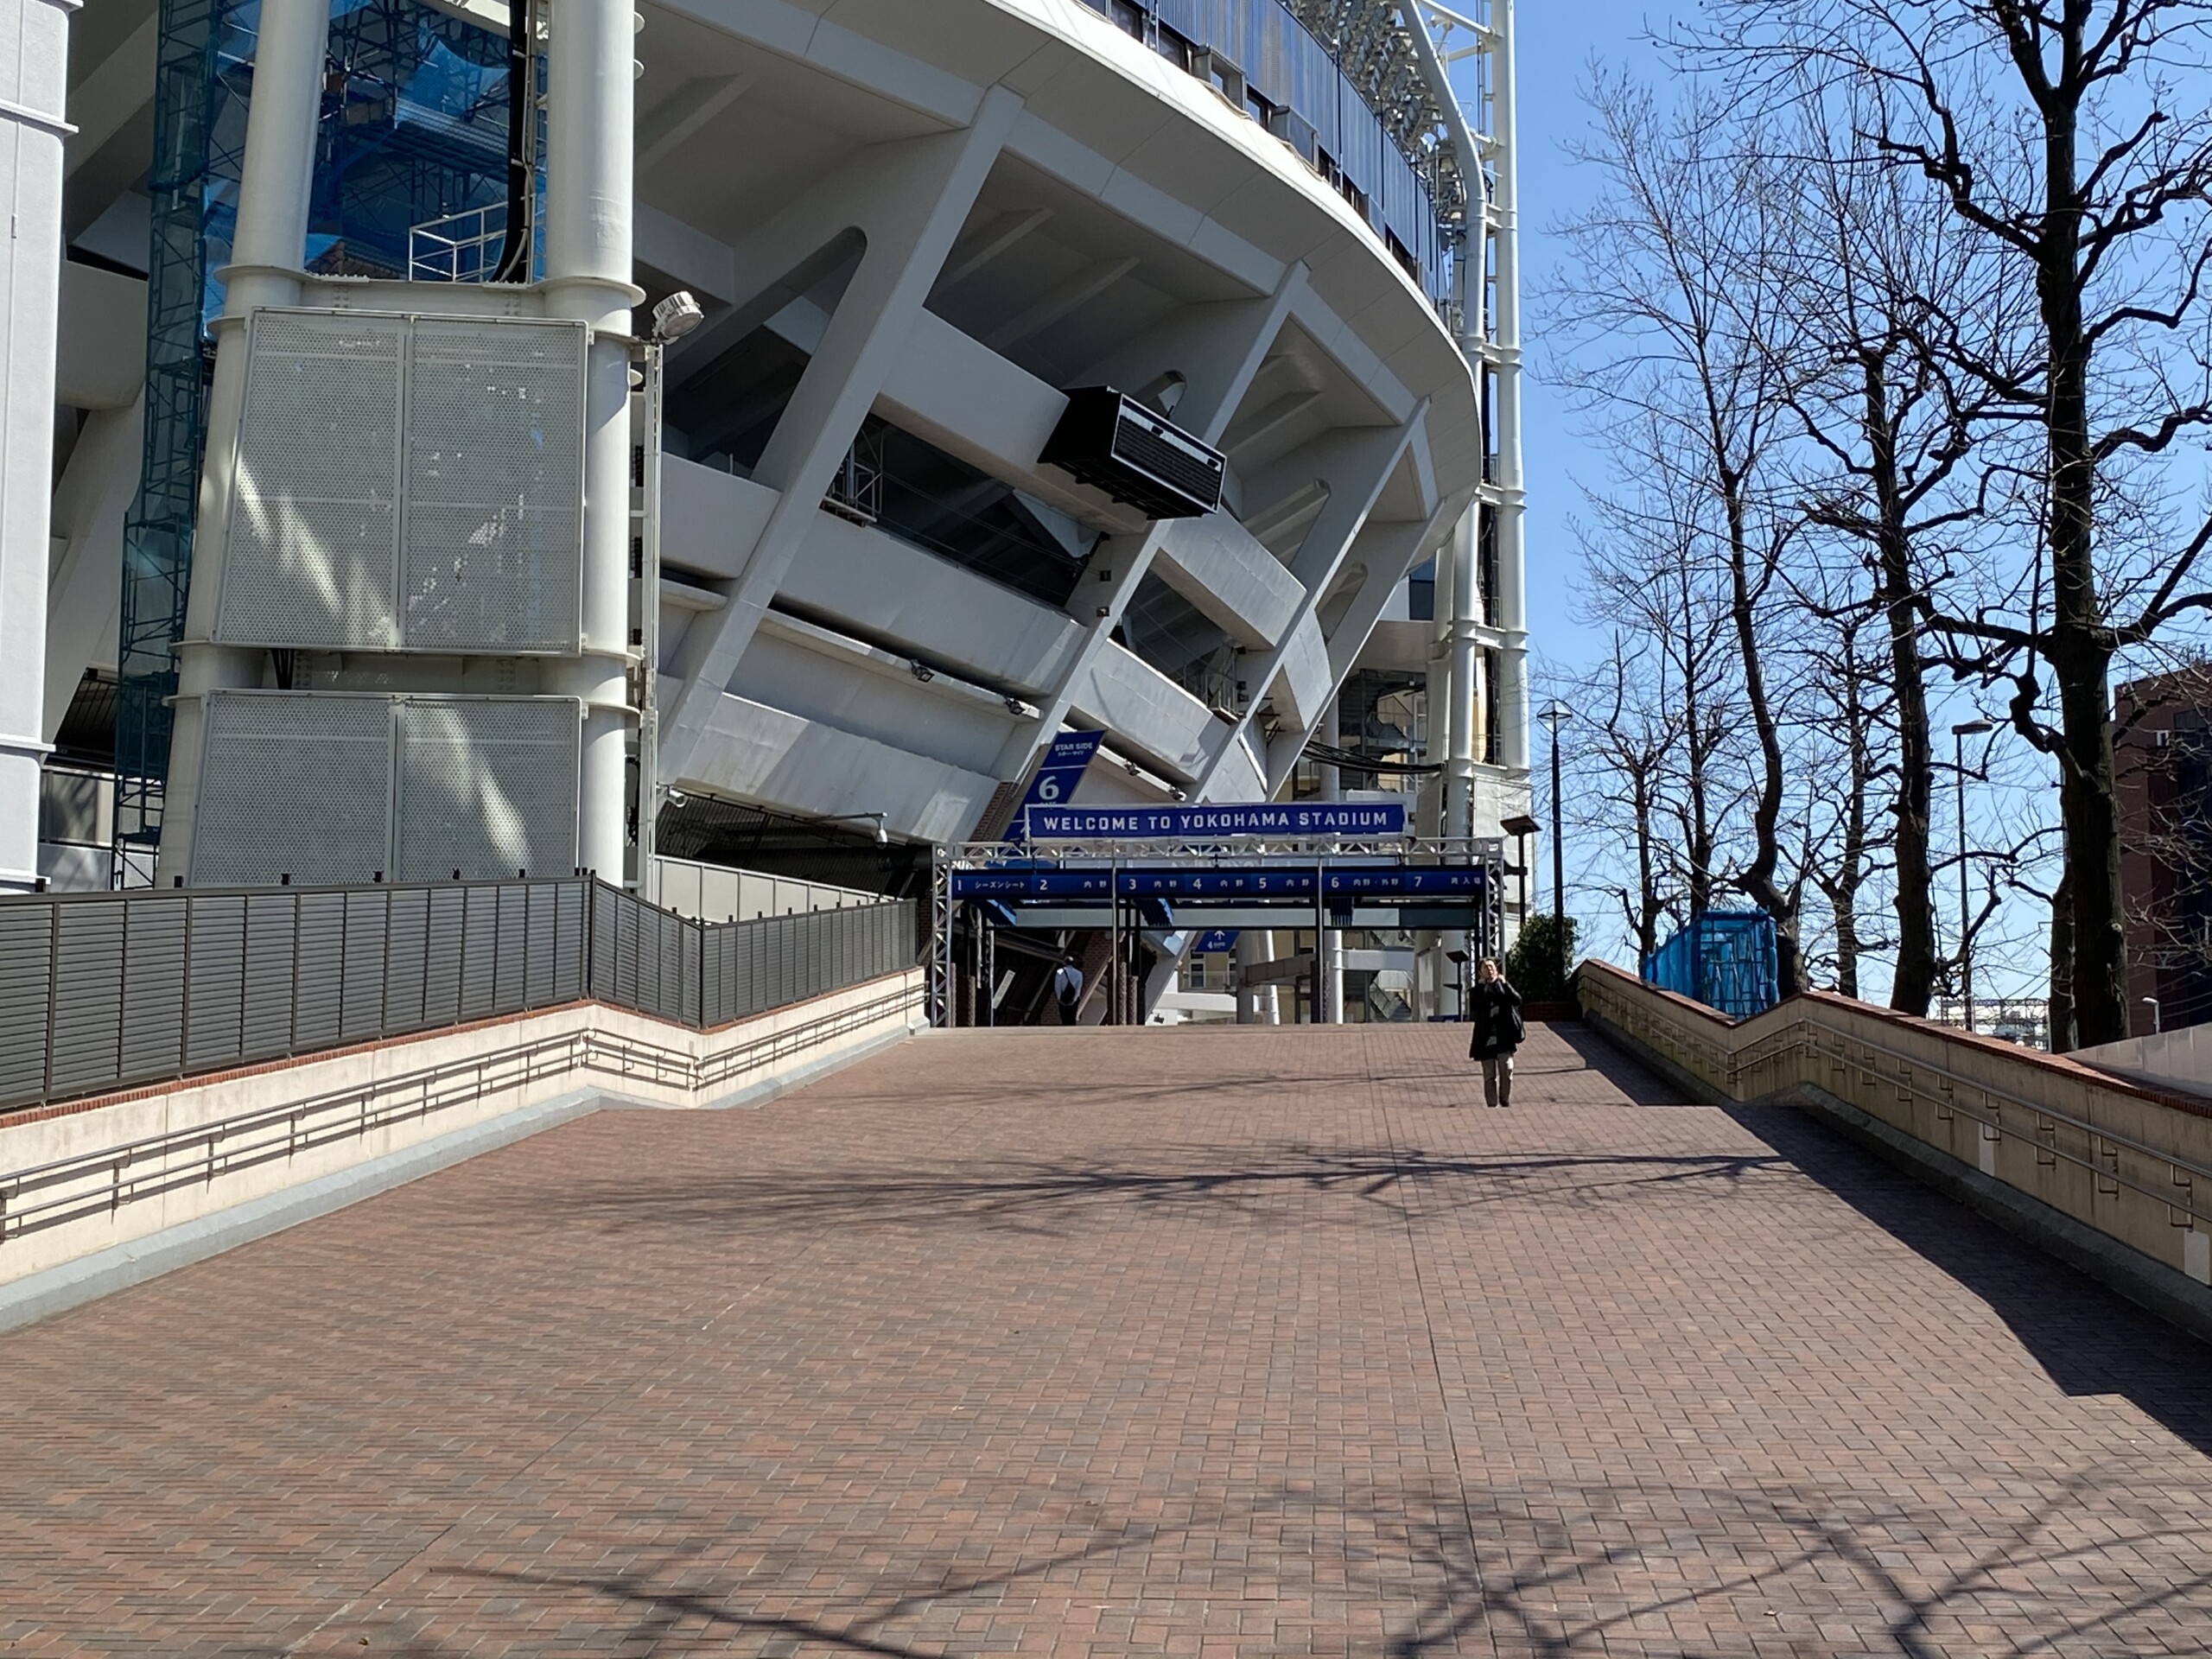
(1795,1037)
(251,1139)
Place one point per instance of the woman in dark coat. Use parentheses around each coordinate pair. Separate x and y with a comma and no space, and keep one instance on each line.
(1494,1010)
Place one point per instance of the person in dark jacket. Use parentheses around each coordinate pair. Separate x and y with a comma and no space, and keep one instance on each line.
(1494,1010)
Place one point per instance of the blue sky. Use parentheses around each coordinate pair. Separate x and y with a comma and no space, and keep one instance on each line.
(1555,46)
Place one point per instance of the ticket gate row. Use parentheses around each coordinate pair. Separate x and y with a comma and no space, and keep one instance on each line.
(1002,917)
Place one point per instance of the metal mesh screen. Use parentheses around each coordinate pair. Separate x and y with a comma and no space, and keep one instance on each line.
(487,787)
(293,784)
(311,553)
(335,788)
(408,484)
(493,540)
(99,991)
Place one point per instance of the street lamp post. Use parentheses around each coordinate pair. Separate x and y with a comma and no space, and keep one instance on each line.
(1959,732)
(1556,715)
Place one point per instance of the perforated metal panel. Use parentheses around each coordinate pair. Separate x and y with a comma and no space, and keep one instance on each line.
(293,784)
(487,786)
(311,553)
(494,535)
(407,483)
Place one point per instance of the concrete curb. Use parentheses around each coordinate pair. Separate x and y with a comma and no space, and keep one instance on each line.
(2151,1284)
(72,1284)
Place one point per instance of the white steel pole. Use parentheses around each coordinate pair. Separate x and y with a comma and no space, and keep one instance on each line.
(1459,638)
(1331,940)
(590,135)
(266,251)
(33,83)
(1512,620)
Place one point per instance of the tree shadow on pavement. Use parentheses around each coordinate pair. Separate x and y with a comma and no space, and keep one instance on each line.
(1553,1571)
(2089,1340)
(1256,1184)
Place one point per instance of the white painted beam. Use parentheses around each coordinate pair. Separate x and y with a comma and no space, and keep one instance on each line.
(686,256)
(666,128)
(1230,578)
(1146,712)
(754,752)
(916,197)
(84,616)
(983,247)
(1070,297)
(100,355)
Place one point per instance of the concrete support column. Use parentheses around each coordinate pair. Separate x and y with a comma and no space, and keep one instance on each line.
(34,84)
(1255,1004)
(266,252)
(590,133)
(1331,966)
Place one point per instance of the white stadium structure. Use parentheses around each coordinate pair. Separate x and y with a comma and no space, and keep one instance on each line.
(363,459)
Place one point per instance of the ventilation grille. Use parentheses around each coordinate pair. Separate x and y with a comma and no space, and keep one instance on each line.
(311,553)
(293,785)
(338,787)
(408,484)
(487,787)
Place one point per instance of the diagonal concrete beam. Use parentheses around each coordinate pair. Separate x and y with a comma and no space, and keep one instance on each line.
(918,194)
(1356,466)
(666,128)
(1218,355)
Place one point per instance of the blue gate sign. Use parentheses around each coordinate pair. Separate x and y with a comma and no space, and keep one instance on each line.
(1312,820)
(1221,940)
(1063,768)
(1057,775)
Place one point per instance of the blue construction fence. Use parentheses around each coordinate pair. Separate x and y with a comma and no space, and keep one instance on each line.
(1725,959)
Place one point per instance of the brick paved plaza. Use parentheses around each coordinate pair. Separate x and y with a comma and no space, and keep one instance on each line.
(1101,1343)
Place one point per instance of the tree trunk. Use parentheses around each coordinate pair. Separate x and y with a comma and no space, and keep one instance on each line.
(2062,969)
(2078,651)
(1915,979)
(1757,880)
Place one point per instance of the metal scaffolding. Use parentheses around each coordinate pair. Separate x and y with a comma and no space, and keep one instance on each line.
(199,139)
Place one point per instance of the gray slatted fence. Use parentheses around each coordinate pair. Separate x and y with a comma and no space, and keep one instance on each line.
(105,991)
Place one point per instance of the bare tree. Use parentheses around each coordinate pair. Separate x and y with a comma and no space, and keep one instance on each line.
(1625,749)
(1675,340)
(1653,579)
(2076,136)
(1881,282)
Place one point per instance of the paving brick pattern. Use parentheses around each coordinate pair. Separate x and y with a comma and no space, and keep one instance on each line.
(1104,1343)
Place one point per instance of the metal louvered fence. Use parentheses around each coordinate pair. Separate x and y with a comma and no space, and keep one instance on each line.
(105,991)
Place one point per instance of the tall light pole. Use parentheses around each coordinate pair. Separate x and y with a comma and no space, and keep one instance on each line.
(1959,732)
(1556,715)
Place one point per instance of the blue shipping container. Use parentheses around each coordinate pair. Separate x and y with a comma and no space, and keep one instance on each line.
(1725,959)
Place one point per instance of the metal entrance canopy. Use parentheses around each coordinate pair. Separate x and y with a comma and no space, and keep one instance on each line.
(1162,885)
